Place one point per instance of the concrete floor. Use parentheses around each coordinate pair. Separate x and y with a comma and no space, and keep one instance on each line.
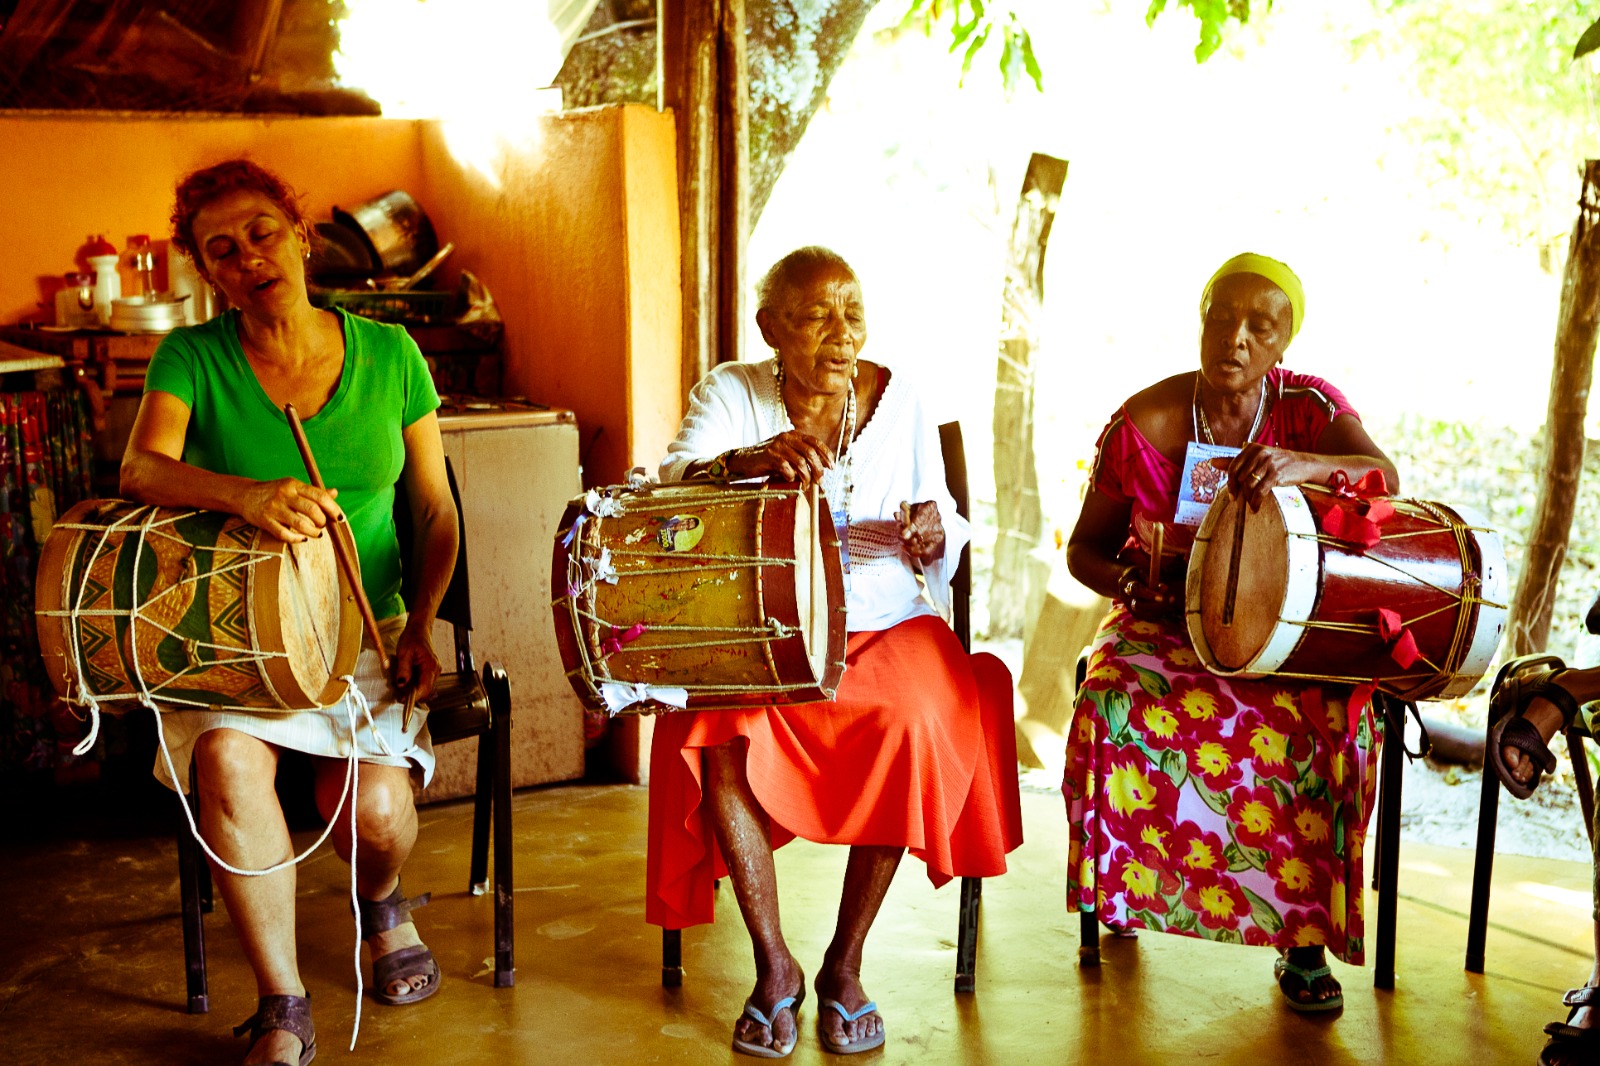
(95,972)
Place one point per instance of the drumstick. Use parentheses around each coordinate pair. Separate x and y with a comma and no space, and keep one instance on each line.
(1157,535)
(1233,566)
(341,550)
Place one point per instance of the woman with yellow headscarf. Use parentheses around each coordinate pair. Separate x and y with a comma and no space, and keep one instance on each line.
(1216,807)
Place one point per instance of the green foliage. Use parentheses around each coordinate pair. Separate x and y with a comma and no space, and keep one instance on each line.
(1212,15)
(972,26)
(1505,117)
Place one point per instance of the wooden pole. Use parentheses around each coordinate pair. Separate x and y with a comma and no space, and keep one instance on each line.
(733,177)
(1018,518)
(1576,330)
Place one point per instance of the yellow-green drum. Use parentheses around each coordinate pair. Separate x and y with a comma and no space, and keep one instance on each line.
(192,608)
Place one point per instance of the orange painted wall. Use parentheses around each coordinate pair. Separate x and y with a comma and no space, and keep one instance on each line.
(64,176)
(573,230)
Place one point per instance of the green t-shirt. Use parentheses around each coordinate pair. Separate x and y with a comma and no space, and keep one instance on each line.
(234,428)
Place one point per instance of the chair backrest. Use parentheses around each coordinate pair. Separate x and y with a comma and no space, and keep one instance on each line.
(456,607)
(955,477)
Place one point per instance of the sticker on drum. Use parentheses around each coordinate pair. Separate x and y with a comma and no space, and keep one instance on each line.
(680,533)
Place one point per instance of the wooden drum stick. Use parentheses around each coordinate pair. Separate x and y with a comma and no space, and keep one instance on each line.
(343,550)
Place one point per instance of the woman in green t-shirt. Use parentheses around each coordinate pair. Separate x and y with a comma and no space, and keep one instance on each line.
(211,433)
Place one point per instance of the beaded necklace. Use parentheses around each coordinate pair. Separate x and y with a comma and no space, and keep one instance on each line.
(1202,427)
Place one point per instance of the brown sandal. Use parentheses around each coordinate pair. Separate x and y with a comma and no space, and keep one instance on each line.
(292,1014)
(380,916)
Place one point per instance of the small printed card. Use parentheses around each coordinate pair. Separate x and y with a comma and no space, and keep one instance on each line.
(1201,482)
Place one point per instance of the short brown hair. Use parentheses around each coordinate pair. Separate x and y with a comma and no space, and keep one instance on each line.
(214,182)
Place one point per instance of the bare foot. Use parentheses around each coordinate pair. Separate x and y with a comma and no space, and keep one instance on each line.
(843,984)
(1565,1053)
(1544,716)
(780,981)
(275,1045)
(1322,988)
(390,941)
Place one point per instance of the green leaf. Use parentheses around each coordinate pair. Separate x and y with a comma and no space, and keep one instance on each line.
(1126,648)
(1030,62)
(1154,11)
(972,50)
(1280,790)
(1237,863)
(959,35)
(1152,682)
(1266,916)
(1588,42)
(1175,766)
(1215,800)
(1228,936)
(1338,834)
(1149,919)
(1115,707)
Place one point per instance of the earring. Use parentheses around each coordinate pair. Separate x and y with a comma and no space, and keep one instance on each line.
(777,371)
(855,370)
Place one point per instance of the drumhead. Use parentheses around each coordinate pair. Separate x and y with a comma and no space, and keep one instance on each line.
(310,610)
(811,580)
(1276,586)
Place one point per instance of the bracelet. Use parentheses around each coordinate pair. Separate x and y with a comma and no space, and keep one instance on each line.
(718,467)
(1127,579)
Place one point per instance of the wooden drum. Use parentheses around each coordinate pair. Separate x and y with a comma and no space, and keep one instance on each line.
(699,596)
(1274,593)
(198,608)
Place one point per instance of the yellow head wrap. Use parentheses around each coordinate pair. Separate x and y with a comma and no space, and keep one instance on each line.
(1277,273)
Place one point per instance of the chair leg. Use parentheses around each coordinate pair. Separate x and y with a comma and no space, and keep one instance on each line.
(1088,938)
(967,934)
(1580,772)
(191,868)
(499,689)
(1388,858)
(482,804)
(671,958)
(1482,870)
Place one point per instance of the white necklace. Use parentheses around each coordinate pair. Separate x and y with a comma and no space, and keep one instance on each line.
(1203,428)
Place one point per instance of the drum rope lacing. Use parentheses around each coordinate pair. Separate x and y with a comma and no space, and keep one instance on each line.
(582,580)
(354,700)
(1468,596)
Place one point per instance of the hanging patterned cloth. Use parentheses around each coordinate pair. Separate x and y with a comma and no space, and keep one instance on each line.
(46,462)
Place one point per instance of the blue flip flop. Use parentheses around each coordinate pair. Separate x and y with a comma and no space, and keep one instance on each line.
(1306,976)
(844,1047)
(790,1003)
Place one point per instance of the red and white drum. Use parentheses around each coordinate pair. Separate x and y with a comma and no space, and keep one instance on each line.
(1419,613)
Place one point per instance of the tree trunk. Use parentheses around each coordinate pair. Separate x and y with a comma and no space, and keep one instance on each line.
(795,46)
(1016,480)
(1564,437)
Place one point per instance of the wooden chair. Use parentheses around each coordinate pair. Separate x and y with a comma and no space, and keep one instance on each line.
(1386,861)
(955,474)
(464,704)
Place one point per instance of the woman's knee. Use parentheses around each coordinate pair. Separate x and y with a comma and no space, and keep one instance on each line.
(386,814)
(234,769)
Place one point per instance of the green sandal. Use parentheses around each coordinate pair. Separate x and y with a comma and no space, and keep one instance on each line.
(1283,967)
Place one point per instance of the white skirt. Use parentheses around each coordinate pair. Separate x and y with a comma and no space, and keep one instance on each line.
(324,732)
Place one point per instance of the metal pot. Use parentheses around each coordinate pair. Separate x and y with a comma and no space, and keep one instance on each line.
(140,314)
(395,229)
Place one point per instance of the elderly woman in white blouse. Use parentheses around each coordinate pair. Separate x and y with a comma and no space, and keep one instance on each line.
(916,752)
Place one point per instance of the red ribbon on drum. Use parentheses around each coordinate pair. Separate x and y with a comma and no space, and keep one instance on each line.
(1360,508)
(619,637)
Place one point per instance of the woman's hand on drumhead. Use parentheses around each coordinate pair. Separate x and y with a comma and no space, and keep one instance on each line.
(790,456)
(1257,470)
(415,663)
(921,531)
(290,509)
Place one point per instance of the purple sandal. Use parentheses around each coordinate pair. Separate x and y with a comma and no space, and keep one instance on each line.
(380,916)
(292,1014)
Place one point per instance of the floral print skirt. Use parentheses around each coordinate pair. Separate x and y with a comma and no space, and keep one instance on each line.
(1214,807)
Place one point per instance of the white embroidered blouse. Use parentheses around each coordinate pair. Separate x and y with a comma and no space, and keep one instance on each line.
(895,457)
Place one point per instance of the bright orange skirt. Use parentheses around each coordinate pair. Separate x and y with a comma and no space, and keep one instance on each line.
(917,751)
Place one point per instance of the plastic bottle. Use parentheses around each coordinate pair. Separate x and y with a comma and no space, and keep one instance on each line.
(102,257)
